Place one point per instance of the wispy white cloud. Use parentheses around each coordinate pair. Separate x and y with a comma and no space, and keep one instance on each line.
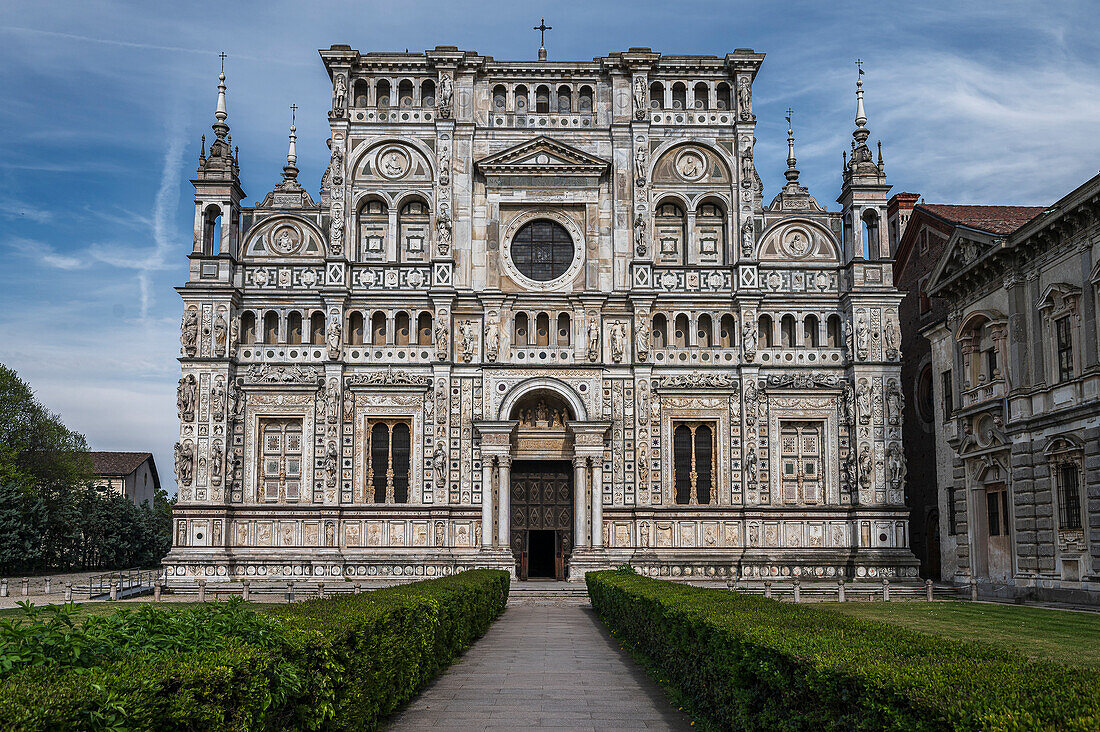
(43,253)
(16,209)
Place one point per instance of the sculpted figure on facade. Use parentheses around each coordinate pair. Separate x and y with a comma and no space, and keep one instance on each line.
(593,349)
(641,166)
(332,336)
(217,401)
(896,462)
(894,402)
(236,404)
(446,96)
(744,98)
(339,95)
(185,462)
(892,338)
(185,397)
(333,178)
(332,400)
(866,467)
(863,338)
(492,337)
(468,335)
(336,230)
(641,238)
(220,328)
(444,164)
(234,335)
(443,237)
(641,338)
(442,331)
(216,463)
(618,341)
(863,399)
(439,465)
(748,240)
(750,335)
(750,402)
(641,93)
(748,168)
(849,405)
(189,332)
(332,458)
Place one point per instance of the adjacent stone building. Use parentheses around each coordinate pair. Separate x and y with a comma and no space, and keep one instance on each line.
(1015,374)
(540,317)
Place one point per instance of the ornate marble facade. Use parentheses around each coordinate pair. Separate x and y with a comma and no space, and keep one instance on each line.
(539,312)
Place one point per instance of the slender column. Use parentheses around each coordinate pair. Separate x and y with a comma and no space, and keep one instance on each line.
(504,466)
(486,502)
(580,498)
(597,501)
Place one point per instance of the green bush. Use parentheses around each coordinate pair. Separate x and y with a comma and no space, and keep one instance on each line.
(341,663)
(747,662)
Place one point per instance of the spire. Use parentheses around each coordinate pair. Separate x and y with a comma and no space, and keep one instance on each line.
(861,131)
(290,170)
(220,127)
(861,164)
(792,171)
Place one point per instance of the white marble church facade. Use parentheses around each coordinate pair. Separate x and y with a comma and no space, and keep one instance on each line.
(540,318)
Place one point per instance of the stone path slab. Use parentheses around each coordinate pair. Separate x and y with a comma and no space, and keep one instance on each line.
(543,666)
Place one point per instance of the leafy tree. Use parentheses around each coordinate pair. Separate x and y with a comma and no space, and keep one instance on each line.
(34,443)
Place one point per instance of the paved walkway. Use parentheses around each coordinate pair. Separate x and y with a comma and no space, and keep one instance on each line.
(543,666)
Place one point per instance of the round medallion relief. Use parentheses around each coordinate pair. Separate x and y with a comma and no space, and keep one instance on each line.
(393,162)
(690,165)
(285,239)
(796,242)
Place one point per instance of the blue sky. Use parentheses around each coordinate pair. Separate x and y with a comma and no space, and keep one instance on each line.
(104,104)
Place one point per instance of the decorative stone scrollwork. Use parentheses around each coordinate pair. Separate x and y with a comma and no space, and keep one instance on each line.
(699,381)
(185,397)
(262,373)
(805,380)
(389,377)
(189,332)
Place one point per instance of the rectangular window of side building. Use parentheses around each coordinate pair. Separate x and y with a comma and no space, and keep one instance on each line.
(948,397)
(952,514)
(1069,497)
(1063,343)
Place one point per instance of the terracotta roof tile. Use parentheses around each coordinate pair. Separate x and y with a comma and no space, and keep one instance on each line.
(117,463)
(994,219)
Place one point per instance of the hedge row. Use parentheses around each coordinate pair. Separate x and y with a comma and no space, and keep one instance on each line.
(343,663)
(747,662)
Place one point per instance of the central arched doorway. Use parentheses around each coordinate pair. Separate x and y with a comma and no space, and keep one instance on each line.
(541,496)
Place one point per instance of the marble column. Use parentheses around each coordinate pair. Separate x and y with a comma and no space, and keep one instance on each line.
(504,467)
(580,499)
(597,501)
(486,502)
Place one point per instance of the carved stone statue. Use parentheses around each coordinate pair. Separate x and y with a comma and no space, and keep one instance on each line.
(750,466)
(349,405)
(216,463)
(446,96)
(469,340)
(439,465)
(185,462)
(331,458)
(189,332)
(234,335)
(863,399)
(217,401)
(640,97)
(339,95)
(863,340)
(332,400)
(443,237)
(750,335)
(236,404)
(643,402)
(443,162)
(849,404)
(750,401)
(744,98)
(336,234)
(641,338)
(866,466)
(332,336)
(440,533)
(593,340)
(492,339)
(641,166)
(748,240)
(185,397)
(220,329)
(896,461)
(641,240)
(894,402)
(618,341)
(893,339)
(441,334)
(334,176)
(849,341)
(748,169)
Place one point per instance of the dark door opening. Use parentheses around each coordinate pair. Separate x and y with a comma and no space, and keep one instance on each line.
(540,557)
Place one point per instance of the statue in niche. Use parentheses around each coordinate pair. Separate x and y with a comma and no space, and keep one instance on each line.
(643,465)
(440,533)
(748,169)
(217,401)
(469,340)
(443,237)
(641,166)
(849,341)
(849,404)
(641,338)
(542,414)
(748,240)
(492,338)
(744,98)
(216,463)
(866,466)
(330,534)
(331,458)
(896,464)
(446,96)
(234,335)
(182,534)
(237,404)
(332,400)
(750,401)
(593,339)
(641,240)
(894,402)
(641,93)
(441,333)
(220,328)
(750,336)
(754,534)
(441,401)
(643,402)
(750,466)
(893,339)
(863,340)
(334,174)
(439,465)
(185,397)
(185,462)
(444,164)
(339,95)
(618,341)
(863,399)
(336,232)
(189,332)
(332,336)
(477,534)
(349,405)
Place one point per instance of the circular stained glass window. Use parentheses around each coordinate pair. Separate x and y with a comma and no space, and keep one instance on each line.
(542,250)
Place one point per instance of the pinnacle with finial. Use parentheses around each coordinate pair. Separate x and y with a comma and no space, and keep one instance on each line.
(792,171)
(220,114)
(861,132)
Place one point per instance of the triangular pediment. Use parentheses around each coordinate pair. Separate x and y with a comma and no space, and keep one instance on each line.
(543,156)
(963,250)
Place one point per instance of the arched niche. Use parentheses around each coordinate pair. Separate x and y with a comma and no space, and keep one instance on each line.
(799,240)
(691,163)
(284,236)
(392,161)
(559,389)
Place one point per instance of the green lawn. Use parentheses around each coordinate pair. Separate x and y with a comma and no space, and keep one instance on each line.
(83,609)
(1065,637)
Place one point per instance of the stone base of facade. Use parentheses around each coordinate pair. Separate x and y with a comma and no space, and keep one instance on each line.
(187,565)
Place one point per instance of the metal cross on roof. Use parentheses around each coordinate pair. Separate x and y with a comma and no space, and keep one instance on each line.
(293,109)
(788,118)
(542,28)
(223,57)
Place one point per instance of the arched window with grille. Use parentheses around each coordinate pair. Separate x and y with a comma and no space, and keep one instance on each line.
(281,459)
(389,458)
(693,463)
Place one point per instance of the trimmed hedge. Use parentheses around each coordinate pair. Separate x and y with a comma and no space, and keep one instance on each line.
(747,662)
(344,663)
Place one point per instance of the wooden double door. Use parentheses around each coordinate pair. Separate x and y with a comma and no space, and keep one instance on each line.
(541,502)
